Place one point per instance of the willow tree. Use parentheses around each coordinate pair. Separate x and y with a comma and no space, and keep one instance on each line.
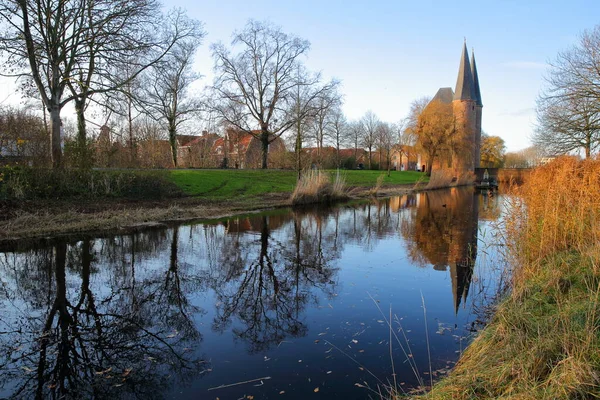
(255,88)
(435,130)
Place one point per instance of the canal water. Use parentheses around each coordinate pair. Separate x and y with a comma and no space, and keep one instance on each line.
(290,304)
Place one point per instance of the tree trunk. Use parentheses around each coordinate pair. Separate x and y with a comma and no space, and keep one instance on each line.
(56,138)
(83,158)
(370,156)
(173,141)
(264,141)
(132,150)
(298,150)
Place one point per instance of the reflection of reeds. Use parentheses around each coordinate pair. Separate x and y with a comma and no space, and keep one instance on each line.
(544,340)
(316,187)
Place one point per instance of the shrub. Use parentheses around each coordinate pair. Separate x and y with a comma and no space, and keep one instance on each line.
(23,183)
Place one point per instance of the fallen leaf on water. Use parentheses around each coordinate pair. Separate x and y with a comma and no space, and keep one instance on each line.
(359,385)
(103,372)
(250,397)
(172,335)
(380,321)
(317,341)
(282,392)
(316,390)
(361,351)
(322,333)
(328,372)
(299,360)
(354,341)
(127,371)
(361,368)
(118,384)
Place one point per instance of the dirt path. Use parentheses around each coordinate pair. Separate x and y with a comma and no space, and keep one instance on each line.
(42,219)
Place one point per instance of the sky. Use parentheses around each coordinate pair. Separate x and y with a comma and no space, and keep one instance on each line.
(389,53)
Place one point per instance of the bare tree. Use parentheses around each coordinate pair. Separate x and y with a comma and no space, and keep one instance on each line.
(369,125)
(385,141)
(339,132)
(322,119)
(256,88)
(569,108)
(165,96)
(567,123)
(307,106)
(355,134)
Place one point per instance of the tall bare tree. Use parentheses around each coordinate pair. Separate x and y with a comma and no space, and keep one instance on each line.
(322,119)
(339,132)
(369,125)
(165,96)
(256,87)
(385,141)
(58,45)
(568,111)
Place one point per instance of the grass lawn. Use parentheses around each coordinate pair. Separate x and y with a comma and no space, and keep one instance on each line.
(229,183)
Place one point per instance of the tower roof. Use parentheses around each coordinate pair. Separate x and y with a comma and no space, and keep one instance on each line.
(475,80)
(464,82)
(445,95)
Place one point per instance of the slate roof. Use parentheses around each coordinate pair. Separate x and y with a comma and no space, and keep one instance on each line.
(464,82)
(476,89)
(444,95)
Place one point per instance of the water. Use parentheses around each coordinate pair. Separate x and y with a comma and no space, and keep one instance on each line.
(296,302)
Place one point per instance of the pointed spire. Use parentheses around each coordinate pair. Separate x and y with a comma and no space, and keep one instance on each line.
(475,80)
(464,83)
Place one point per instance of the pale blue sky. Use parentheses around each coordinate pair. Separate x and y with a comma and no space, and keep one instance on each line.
(388,53)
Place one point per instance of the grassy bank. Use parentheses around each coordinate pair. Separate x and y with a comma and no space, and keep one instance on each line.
(219,184)
(36,203)
(544,339)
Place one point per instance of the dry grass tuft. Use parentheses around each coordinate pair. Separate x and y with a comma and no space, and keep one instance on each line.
(544,340)
(316,187)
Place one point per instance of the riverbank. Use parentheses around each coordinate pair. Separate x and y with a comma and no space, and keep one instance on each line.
(177,196)
(543,341)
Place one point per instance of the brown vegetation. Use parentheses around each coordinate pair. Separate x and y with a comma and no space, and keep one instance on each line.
(316,187)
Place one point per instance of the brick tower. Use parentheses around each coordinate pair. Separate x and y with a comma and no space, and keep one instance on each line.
(467,108)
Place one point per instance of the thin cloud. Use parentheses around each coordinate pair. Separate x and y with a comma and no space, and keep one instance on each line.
(525,65)
(518,113)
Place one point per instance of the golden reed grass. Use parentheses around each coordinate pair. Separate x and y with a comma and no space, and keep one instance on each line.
(315,186)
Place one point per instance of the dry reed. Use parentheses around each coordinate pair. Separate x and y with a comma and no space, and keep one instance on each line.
(316,187)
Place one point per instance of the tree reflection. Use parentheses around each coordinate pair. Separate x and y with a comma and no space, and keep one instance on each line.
(268,291)
(87,342)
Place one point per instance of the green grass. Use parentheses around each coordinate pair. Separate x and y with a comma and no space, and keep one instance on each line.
(249,183)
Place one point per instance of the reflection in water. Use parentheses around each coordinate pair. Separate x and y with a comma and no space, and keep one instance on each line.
(443,233)
(122,316)
(86,340)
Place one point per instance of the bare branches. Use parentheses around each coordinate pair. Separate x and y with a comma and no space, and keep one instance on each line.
(255,90)
(568,111)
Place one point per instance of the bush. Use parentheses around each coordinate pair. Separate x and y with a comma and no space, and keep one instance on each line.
(316,187)
(23,183)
